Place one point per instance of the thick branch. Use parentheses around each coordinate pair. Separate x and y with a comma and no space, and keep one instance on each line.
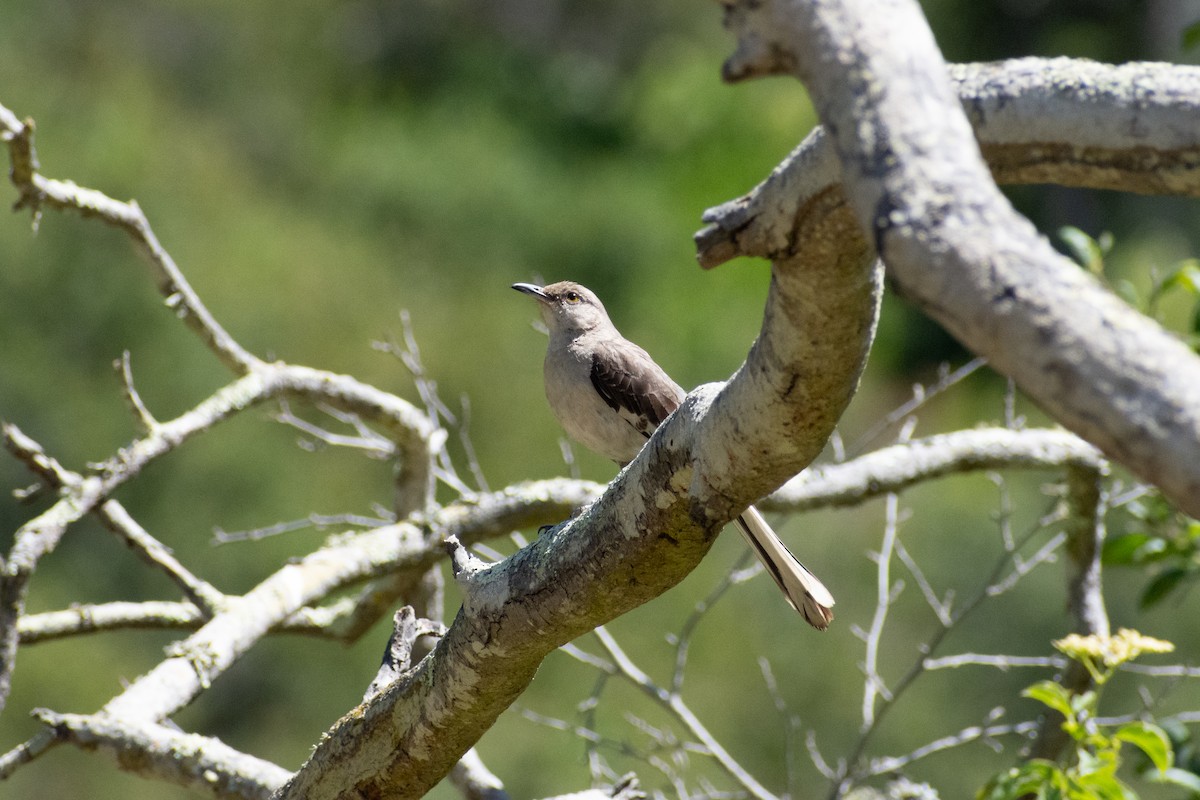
(912,171)
(1133,128)
(727,446)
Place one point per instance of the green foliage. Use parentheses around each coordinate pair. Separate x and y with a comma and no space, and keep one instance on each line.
(1160,540)
(1180,281)
(1090,773)
(1191,36)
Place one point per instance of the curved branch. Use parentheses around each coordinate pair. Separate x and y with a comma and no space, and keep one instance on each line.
(913,174)
(1132,127)
(894,468)
(37,190)
(724,448)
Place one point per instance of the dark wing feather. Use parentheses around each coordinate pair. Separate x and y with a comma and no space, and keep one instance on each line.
(634,386)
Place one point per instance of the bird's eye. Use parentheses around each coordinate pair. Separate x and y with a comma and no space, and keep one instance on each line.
(573,297)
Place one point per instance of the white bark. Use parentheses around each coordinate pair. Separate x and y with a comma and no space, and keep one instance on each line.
(919,187)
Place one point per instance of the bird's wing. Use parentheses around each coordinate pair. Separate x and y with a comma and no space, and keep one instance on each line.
(629,381)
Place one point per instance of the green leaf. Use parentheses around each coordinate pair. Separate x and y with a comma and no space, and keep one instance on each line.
(1150,739)
(1162,585)
(1101,786)
(1191,36)
(1123,549)
(1037,777)
(1084,249)
(1051,694)
(1091,764)
(1082,702)
(1185,276)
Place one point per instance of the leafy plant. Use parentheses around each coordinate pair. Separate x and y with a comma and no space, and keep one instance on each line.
(1090,772)
(1161,538)
(1181,279)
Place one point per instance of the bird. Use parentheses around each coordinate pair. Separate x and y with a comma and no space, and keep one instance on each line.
(610,396)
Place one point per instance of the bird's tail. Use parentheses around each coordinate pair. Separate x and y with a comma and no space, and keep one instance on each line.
(803,591)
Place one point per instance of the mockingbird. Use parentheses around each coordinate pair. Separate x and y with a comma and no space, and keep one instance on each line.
(610,396)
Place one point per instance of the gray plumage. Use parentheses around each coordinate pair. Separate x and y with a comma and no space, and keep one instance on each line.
(609,395)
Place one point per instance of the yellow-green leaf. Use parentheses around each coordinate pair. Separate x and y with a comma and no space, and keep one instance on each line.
(1051,694)
(1150,739)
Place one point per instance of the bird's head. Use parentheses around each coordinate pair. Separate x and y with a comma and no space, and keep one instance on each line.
(567,307)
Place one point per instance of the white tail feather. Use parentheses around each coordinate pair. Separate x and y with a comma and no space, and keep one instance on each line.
(803,591)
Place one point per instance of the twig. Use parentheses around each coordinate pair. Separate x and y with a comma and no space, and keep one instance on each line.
(1000,662)
(37,191)
(374,445)
(683,639)
(132,398)
(922,394)
(791,727)
(941,608)
(468,446)
(874,685)
(676,705)
(318,521)
(1169,671)
(814,753)
(114,517)
(894,468)
(26,751)
(883,766)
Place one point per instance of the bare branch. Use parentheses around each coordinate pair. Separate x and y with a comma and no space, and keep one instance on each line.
(26,751)
(474,780)
(371,443)
(80,619)
(167,754)
(1001,662)
(397,659)
(947,379)
(874,686)
(132,398)
(891,764)
(203,594)
(854,768)
(674,702)
(891,469)
(37,191)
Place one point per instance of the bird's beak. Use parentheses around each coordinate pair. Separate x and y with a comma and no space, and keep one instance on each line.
(531,289)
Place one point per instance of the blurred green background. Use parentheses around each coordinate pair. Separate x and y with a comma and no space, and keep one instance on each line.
(316,167)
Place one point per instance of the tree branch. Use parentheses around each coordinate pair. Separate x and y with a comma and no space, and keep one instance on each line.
(894,468)
(165,753)
(723,449)
(1062,121)
(912,172)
